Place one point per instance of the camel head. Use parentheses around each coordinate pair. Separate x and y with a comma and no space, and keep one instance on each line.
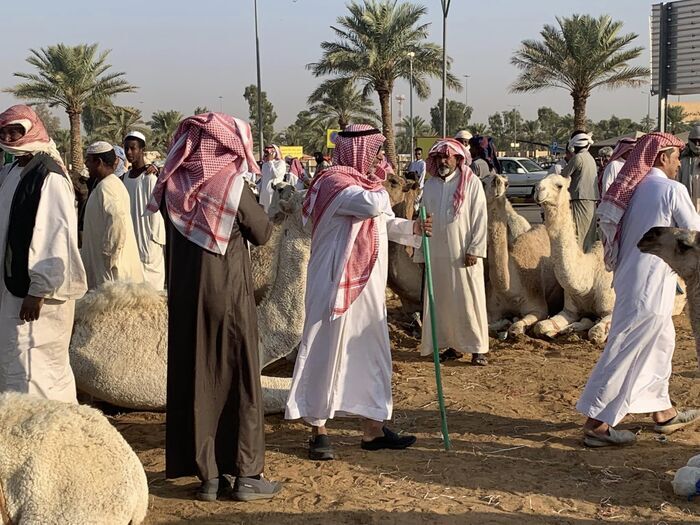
(285,201)
(394,186)
(553,191)
(678,247)
(495,187)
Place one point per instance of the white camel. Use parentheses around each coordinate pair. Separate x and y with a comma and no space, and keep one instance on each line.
(588,293)
(119,345)
(65,463)
(521,278)
(681,250)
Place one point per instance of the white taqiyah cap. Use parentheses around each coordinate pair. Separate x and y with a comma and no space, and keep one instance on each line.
(135,135)
(464,135)
(99,147)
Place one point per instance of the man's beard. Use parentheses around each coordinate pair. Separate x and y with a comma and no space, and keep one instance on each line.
(444,171)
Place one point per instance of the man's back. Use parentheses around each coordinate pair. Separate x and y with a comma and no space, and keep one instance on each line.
(583,172)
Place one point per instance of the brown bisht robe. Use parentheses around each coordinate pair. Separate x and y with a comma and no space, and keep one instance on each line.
(215,419)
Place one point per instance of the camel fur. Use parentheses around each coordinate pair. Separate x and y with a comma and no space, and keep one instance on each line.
(65,463)
(520,271)
(680,249)
(588,293)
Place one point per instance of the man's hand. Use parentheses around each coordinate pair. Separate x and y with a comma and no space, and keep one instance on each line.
(31,306)
(152,169)
(470,260)
(419,226)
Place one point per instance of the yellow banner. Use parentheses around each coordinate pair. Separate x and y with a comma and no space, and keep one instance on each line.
(331,134)
(426,143)
(296,152)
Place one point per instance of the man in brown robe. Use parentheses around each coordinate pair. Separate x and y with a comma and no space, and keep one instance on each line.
(215,426)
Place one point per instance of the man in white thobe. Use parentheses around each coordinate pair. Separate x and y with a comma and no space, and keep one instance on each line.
(42,273)
(344,362)
(632,375)
(274,169)
(416,169)
(455,198)
(617,161)
(148,228)
(109,249)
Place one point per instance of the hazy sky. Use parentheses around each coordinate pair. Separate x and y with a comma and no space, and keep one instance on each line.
(187,54)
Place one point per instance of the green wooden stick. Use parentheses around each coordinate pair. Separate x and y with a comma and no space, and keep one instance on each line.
(433,331)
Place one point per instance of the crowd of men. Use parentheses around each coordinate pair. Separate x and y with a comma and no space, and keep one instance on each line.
(199,213)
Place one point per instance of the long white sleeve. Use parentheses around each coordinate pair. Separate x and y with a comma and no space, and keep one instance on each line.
(155,220)
(476,244)
(55,268)
(684,214)
(362,204)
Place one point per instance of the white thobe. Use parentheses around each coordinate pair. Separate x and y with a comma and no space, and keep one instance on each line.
(460,293)
(344,364)
(34,355)
(632,374)
(610,174)
(273,172)
(109,248)
(148,228)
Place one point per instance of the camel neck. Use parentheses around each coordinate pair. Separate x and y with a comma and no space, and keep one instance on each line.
(497,246)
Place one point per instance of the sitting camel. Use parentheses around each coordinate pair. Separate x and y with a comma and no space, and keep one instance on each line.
(65,463)
(588,292)
(521,278)
(681,250)
(137,317)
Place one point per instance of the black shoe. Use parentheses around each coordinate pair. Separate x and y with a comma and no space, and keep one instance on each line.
(252,489)
(390,440)
(450,355)
(320,448)
(208,490)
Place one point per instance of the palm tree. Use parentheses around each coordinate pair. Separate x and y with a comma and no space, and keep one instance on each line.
(582,54)
(372,48)
(675,118)
(71,77)
(337,100)
(163,125)
(118,121)
(479,128)
(200,109)
(420,128)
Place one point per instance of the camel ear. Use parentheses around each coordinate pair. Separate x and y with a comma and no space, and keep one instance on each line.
(685,244)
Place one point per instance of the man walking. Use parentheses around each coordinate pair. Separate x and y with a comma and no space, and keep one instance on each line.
(274,169)
(632,374)
(582,171)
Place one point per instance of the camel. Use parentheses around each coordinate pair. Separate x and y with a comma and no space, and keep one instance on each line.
(588,292)
(139,314)
(521,278)
(65,463)
(680,249)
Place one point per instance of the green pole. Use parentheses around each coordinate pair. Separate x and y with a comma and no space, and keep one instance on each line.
(433,331)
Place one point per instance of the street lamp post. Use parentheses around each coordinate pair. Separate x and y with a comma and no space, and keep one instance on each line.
(445,11)
(466,90)
(221,104)
(648,94)
(411,54)
(257,59)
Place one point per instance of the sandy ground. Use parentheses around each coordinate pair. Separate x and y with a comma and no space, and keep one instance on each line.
(517,456)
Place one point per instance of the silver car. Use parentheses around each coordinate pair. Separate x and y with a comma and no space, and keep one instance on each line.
(523,175)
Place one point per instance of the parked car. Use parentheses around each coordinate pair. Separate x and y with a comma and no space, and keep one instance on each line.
(523,175)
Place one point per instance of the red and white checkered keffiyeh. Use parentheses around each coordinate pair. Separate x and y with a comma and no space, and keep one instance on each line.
(612,208)
(452,147)
(353,159)
(623,147)
(35,138)
(203,178)
(296,168)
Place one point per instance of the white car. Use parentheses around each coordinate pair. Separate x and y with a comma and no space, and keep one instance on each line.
(523,175)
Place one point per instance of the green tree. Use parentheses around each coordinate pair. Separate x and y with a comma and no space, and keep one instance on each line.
(62,139)
(420,128)
(200,109)
(458,115)
(163,125)
(479,128)
(648,124)
(51,122)
(268,115)
(70,77)
(675,119)
(580,55)
(118,121)
(372,46)
(307,131)
(336,100)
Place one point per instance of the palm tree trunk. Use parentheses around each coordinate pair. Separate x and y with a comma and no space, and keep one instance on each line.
(579,110)
(76,144)
(387,127)
(342,122)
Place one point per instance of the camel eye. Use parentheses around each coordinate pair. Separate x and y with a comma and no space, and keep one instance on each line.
(560,186)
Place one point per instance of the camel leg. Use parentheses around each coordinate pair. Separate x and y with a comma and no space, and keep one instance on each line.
(499,325)
(553,326)
(521,326)
(599,333)
(584,325)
